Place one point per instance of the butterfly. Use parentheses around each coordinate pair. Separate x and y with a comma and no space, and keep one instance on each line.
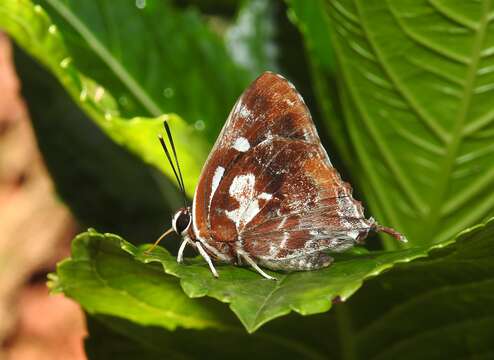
(268,195)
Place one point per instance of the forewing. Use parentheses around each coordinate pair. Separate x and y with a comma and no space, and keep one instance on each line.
(270,108)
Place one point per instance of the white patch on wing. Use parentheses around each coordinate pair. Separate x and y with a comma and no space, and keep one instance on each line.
(218,174)
(265,196)
(269,135)
(243,190)
(286,236)
(241,144)
(281,225)
(242,186)
(244,111)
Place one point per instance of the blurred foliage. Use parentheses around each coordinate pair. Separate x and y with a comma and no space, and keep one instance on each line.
(250,40)
(401,89)
(116,337)
(71,145)
(141,60)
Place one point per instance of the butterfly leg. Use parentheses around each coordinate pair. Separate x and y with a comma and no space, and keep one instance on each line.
(206,257)
(180,256)
(252,263)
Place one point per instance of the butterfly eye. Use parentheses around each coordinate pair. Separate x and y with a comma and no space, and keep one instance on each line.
(181,221)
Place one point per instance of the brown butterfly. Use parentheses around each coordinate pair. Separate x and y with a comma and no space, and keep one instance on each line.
(268,195)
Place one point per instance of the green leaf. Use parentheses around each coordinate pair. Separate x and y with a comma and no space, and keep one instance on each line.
(105,280)
(256,300)
(252,298)
(155,57)
(313,22)
(438,307)
(78,44)
(417,92)
(433,307)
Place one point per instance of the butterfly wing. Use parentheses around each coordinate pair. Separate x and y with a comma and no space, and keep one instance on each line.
(268,185)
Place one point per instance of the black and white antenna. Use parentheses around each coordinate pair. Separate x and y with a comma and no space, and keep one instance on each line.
(176,171)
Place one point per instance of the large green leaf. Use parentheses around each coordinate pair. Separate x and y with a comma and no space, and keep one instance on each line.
(433,300)
(253,299)
(155,58)
(106,280)
(313,22)
(433,308)
(416,85)
(109,81)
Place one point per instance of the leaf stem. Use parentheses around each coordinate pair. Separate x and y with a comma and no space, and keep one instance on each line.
(107,57)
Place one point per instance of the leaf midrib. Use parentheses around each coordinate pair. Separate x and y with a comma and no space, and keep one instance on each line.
(452,142)
(277,286)
(401,178)
(438,199)
(106,56)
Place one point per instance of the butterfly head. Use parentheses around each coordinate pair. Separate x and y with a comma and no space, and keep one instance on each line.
(181,221)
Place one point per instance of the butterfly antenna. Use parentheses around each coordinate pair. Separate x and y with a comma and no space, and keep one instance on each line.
(170,139)
(167,153)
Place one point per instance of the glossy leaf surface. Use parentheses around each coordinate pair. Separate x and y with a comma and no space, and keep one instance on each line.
(252,298)
(430,308)
(416,86)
